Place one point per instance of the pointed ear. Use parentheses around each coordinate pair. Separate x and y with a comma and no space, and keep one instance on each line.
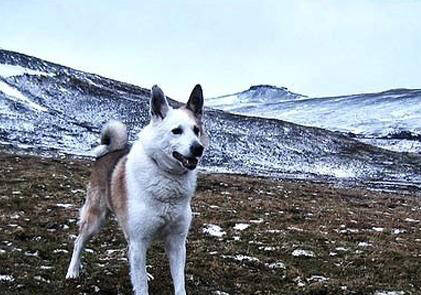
(195,103)
(159,105)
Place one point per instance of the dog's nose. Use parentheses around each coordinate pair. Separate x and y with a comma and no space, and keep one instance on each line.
(196,149)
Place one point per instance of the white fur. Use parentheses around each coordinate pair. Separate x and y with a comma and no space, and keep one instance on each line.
(117,132)
(159,194)
(159,191)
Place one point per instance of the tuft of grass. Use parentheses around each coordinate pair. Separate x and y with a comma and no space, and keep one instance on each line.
(346,241)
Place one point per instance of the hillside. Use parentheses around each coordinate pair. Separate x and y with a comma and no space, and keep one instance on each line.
(249,236)
(51,110)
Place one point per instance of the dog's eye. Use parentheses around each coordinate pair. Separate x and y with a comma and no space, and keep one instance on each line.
(177,130)
(196,130)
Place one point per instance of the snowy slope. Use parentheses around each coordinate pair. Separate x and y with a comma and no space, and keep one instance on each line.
(48,109)
(374,117)
(253,98)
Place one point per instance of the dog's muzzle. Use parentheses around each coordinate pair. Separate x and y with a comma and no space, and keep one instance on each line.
(188,162)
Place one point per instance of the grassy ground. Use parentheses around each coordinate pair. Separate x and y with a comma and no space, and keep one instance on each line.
(277,237)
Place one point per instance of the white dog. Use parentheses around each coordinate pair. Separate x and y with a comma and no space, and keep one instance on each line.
(148,187)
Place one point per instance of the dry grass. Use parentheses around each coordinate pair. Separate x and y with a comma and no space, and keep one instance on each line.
(361,241)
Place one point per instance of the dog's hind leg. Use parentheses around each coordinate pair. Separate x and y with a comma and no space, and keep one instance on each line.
(92,216)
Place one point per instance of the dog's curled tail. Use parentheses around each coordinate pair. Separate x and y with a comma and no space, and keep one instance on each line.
(113,138)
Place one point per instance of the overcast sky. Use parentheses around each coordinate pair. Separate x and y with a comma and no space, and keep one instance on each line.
(317,48)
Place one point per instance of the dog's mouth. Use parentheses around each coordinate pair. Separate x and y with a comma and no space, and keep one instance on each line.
(188,162)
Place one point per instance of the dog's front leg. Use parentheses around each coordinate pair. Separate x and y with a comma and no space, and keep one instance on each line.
(137,253)
(175,246)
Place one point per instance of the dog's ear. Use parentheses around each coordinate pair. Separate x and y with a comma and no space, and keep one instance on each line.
(195,103)
(159,105)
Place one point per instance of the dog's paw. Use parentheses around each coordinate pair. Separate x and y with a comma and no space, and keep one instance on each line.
(72,274)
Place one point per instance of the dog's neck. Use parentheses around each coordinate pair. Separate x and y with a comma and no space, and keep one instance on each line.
(170,171)
(163,163)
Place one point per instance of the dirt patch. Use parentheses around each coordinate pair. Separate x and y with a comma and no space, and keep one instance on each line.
(249,236)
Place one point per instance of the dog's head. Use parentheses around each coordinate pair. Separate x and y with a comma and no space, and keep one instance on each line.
(176,138)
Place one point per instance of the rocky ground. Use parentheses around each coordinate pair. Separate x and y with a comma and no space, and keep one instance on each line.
(249,236)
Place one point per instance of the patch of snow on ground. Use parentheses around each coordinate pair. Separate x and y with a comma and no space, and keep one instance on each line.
(6,278)
(336,172)
(364,244)
(397,145)
(398,231)
(241,258)
(273,231)
(411,220)
(341,249)
(378,229)
(295,228)
(150,276)
(317,279)
(299,282)
(39,278)
(64,205)
(112,251)
(15,70)
(348,230)
(268,248)
(389,293)
(276,265)
(12,92)
(300,252)
(257,221)
(35,254)
(241,226)
(14,225)
(213,230)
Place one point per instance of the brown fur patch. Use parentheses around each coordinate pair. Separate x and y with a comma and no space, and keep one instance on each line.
(102,170)
(118,197)
(98,201)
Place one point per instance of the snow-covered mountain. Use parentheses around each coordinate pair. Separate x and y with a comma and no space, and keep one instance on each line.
(52,110)
(253,98)
(389,119)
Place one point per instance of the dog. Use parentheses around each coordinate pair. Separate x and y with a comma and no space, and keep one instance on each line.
(148,187)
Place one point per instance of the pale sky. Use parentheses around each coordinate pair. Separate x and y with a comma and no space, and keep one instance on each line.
(317,48)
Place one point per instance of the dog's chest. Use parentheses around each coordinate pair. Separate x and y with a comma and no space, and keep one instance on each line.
(161,204)
(170,190)
(162,195)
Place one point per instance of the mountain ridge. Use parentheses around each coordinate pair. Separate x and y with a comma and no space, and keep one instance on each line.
(269,86)
(374,118)
(75,105)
